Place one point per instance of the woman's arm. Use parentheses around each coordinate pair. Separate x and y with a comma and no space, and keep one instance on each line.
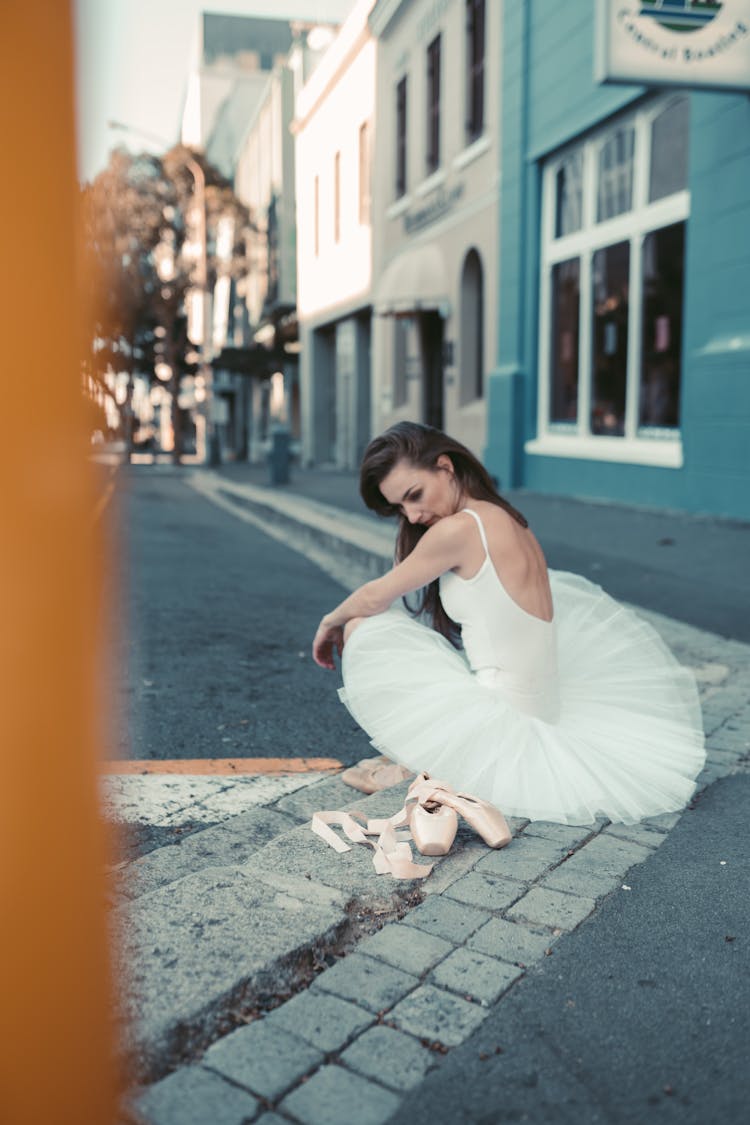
(440,549)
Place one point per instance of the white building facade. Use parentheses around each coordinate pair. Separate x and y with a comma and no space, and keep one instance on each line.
(333,127)
(435,213)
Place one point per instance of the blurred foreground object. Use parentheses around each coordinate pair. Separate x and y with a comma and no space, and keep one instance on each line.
(57,1059)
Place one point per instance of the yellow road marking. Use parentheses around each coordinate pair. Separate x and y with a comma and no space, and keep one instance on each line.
(224,766)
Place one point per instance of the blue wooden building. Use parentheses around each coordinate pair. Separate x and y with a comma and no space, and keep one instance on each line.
(623,359)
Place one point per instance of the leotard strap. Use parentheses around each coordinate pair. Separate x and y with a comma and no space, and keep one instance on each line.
(481,528)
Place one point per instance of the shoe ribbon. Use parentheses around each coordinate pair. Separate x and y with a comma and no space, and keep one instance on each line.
(393,854)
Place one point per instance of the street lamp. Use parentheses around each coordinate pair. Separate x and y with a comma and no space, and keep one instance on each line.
(213,452)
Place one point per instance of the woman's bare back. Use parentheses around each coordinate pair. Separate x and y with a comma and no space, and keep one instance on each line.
(516,556)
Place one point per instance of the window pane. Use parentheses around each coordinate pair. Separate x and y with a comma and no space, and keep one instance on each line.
(401,138)
(569,195)
(566,299)
(663,258)
(609,358)
(474,68)
(615,186)
(433,105)
(669,150)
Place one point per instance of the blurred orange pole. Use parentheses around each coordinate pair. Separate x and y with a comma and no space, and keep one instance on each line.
(56,1039)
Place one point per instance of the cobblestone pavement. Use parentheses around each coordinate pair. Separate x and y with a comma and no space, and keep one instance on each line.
(373,1023)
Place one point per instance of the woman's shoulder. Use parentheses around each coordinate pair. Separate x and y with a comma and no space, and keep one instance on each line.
(494,518)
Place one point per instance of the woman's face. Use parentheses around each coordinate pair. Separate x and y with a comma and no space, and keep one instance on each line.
(422,495)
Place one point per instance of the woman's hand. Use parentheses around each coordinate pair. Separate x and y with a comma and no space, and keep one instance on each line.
(327,638)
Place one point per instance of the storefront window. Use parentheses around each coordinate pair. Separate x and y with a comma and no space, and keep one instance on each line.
(669,148)
(569,195)
(661,345)
(400,358)
(566,299)
(615,210)
(609,352)
(615,185)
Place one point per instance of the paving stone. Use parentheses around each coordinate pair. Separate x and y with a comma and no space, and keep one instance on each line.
(460,860)
(566,835)
(390,1057)
(552,908)
(366,981)
(526,859)
(329,794)
(475,975)
(664,822)
(730,757)
(726,737)
(222,845)
(638,833)
(478,889)
(608,855)
(335,1096)
(581,880)
(266,1059)
(446,918)
(326,1022)
(193,1096)
(415,951)
(430,1013)
(511,941)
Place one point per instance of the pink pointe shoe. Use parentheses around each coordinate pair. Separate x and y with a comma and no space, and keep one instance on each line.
(433,829)
(486,820)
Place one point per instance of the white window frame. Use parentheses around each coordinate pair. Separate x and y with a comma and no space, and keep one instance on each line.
(574,439)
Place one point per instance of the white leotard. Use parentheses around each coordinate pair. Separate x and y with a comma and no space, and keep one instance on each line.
(507,647)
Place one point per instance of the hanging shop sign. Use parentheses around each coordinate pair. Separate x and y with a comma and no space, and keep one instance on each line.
(689,43)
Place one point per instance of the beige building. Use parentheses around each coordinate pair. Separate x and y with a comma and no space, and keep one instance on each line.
(435,207)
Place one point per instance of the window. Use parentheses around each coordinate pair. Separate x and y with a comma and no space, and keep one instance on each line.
(364,174)
(401,138)
(612,278)
(472,329)
(474,69)
(433,105)
(316,217)
(401,328)
(337,197)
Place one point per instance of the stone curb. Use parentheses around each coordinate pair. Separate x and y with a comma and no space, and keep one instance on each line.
(352,550)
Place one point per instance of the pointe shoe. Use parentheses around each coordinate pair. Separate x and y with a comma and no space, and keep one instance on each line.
(370,775)
(486,820)
(433,830)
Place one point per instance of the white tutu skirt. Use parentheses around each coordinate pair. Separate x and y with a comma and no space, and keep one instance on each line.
(628,742)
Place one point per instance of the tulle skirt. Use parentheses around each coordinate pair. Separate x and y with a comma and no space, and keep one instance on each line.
(627,742)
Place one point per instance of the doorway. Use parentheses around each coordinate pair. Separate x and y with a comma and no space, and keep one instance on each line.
(431,344)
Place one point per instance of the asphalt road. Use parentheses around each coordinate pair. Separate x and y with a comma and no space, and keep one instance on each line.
(213,634)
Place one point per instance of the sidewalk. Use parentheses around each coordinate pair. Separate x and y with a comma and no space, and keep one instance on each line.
(271,979)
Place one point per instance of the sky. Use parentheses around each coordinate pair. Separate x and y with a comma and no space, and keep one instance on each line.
(132,59)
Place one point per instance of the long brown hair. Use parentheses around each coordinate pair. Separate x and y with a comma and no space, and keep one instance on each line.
(422,446)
